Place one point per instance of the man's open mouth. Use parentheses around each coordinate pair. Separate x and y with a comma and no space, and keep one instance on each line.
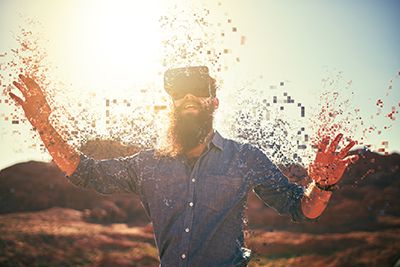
(188,106)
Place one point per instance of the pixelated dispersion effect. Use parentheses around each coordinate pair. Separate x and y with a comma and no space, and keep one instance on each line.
(274,124)
(285,137)
(28,57)
(74,118)
(124,119)
(192,37)
(337,113)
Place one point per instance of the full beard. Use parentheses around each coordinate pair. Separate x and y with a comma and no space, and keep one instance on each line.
(188,130)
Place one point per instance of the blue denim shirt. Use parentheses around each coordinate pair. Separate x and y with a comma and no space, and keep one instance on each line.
(197,212)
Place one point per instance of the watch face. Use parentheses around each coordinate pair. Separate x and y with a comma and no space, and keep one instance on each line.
(181,81)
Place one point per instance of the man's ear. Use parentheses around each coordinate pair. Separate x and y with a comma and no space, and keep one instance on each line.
(215,103)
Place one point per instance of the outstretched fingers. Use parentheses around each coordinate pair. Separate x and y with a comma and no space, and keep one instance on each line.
(334,144)
(346,150)
(323,144)
(30,83)
(16,99)
(21,87)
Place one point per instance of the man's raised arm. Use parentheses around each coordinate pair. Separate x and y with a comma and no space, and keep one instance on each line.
(37,111)
(326,171)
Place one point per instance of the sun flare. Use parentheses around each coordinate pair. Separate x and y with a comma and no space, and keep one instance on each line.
(113,43)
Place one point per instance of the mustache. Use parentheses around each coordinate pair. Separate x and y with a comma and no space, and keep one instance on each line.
(201,104)
(189,102)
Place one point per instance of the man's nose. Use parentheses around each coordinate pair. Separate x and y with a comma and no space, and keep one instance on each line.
(189,96)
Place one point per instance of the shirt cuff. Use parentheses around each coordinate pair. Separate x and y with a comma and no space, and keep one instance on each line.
(81,175)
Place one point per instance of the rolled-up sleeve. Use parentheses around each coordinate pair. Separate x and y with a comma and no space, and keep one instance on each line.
(273,187)
(118,175)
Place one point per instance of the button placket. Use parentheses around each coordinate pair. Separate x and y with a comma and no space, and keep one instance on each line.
(189,211)
(188,220)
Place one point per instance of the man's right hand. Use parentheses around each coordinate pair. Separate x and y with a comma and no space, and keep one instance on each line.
(37,110)
(35,106)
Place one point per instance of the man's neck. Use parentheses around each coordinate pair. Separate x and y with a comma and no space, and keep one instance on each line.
(198,150)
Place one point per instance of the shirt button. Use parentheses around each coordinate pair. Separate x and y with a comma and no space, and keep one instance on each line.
(183,256)
(187,230)
(193,180)
(191,204)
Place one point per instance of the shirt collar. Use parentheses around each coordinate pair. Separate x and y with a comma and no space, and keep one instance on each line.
(218,140)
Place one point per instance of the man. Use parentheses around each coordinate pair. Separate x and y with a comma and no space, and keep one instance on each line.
(194,189)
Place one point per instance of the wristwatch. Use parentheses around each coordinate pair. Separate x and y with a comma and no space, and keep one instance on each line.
(330,187)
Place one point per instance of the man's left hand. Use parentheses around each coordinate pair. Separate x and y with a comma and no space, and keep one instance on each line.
(329,165)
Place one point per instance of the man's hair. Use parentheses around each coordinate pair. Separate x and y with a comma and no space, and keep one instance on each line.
(213,87)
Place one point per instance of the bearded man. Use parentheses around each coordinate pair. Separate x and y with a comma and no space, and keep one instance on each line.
(194,189)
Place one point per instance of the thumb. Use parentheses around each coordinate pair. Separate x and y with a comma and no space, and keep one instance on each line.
(351,159)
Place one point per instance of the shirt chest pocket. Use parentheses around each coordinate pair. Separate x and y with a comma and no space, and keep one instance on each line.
(219,192)
(165,194)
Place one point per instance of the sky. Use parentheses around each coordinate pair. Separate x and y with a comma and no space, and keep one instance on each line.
(114,49)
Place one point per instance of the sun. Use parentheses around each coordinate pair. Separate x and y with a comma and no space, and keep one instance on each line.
(112,45)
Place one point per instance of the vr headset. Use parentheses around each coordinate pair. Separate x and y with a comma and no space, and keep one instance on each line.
(179,82)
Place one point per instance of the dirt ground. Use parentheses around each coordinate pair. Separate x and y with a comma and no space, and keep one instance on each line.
(60,237)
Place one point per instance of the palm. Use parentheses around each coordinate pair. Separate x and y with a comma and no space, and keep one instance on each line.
(329,165)
(35,106)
